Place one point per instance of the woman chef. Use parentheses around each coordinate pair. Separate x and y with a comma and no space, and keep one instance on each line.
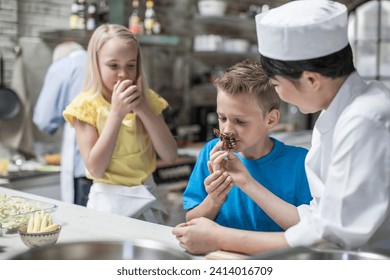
(305,51)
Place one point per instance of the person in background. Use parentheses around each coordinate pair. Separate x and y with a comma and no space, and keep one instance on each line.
(248,109)
(63,81)
(305,51)
(119,127)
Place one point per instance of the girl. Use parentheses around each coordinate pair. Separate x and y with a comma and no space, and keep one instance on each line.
(119,127)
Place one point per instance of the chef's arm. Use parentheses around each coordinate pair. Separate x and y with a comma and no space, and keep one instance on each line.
(282,212)
(202,235)
(250,242)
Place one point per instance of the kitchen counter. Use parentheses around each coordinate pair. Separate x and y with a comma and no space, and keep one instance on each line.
(42,183)
(83,224)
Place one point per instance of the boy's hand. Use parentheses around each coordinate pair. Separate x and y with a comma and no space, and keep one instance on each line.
(198,236)
(227,162)
(217,157)
(218,184)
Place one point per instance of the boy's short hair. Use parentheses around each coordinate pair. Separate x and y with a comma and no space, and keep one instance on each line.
(247,77)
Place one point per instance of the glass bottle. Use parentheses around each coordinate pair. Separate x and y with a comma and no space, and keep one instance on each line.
(150,17)
(4,160)
(74,15)
(135,23)
(91,21)
(82,12)
(102,12)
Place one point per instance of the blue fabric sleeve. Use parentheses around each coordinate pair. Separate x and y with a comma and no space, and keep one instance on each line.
(195,192)
(63,81)
(51,101)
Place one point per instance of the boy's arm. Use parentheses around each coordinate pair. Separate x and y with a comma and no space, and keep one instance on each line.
(218,184)
(201,236)
(207,208)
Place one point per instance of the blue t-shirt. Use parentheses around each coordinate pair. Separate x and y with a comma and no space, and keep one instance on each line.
(282,171)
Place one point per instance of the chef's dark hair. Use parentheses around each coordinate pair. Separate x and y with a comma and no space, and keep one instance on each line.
(335,65)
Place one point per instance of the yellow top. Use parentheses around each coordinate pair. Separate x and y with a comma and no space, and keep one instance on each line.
(130,164)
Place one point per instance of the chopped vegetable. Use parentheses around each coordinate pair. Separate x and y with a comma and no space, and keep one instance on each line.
(11,209)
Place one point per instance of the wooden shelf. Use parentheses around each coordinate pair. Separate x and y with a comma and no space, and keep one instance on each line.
(82,36)
(229,24)
(228,21)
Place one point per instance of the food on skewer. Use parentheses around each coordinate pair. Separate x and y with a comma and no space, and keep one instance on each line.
(229,141)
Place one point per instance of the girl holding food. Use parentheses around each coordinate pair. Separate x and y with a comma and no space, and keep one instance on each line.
(119,126)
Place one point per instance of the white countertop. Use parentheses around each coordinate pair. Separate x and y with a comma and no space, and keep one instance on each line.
(83,224)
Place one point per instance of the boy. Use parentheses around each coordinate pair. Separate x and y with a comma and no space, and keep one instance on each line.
(247,108)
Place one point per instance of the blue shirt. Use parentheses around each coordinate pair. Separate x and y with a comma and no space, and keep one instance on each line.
(282,172)
(63,81)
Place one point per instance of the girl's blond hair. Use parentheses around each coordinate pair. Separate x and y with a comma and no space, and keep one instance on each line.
(93,81)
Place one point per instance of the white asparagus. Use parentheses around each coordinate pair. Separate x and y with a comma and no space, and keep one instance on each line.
(50,228)
(30,225)
(39,223)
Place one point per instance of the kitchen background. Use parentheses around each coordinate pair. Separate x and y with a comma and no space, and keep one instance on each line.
(190,50)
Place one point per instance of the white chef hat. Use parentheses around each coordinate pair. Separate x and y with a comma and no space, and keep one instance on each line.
(303,29)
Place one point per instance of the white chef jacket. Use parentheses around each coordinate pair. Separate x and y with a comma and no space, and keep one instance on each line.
(63,81)
(348,169)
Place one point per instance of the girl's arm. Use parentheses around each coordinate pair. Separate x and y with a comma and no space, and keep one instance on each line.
(160,135)
(97,150)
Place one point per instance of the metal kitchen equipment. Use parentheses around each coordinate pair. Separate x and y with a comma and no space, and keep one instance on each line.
(10,104)
(306,253)
(141,249)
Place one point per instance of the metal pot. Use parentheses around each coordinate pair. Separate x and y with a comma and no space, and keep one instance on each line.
(305,253)
(140,249)
(10,104)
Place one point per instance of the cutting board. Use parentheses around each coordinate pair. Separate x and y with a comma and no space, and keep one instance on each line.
(225,255)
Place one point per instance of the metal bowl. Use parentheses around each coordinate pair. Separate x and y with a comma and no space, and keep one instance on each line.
(141,249)
(304,253)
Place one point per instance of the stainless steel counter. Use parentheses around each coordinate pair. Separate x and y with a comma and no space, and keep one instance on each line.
(41,183)
(81,224)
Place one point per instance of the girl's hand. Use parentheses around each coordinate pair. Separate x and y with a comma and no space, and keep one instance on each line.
(218,184)
(126,98)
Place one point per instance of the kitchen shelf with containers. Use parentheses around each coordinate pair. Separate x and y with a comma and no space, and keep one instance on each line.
(82,36)
(219,41)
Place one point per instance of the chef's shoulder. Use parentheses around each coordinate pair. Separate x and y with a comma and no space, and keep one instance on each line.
(372,106)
